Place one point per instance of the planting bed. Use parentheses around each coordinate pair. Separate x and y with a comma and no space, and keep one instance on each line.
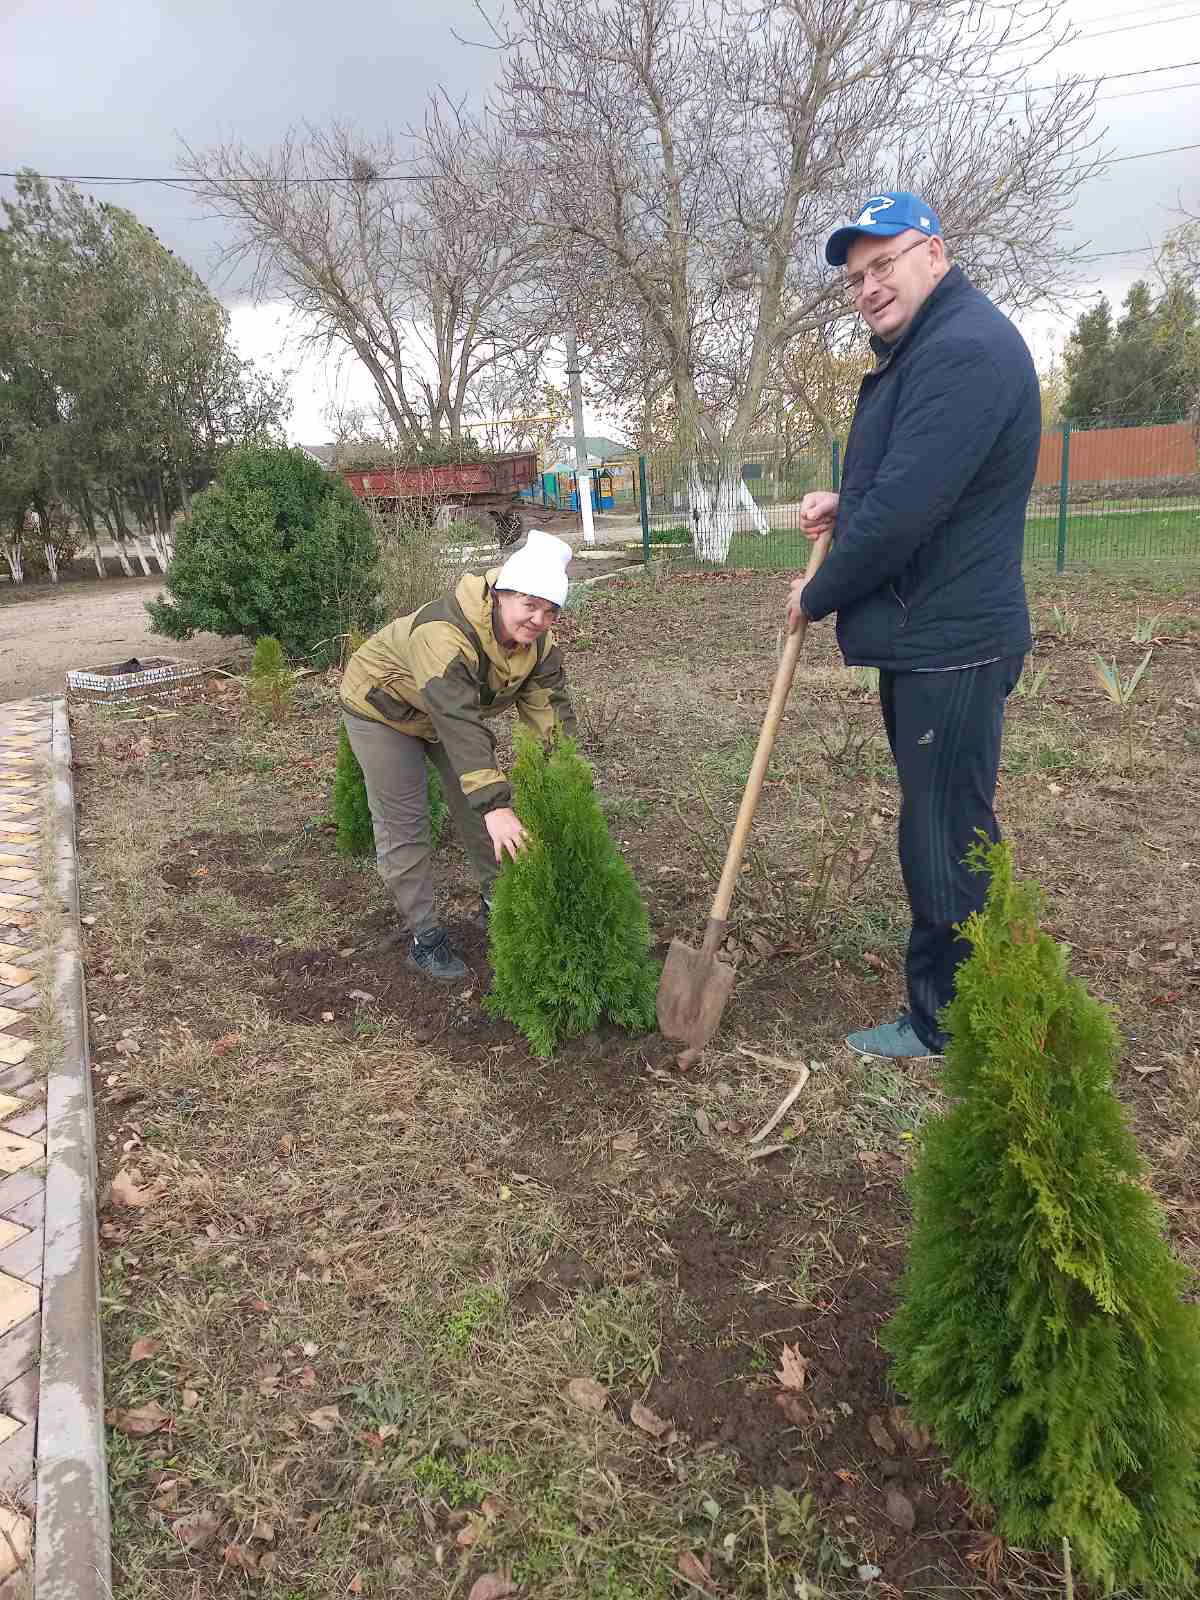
(373,1241)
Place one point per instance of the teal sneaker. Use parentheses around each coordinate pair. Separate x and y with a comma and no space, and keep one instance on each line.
(892,1041)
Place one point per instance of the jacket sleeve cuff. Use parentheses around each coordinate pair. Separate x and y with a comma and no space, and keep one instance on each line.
(492,797)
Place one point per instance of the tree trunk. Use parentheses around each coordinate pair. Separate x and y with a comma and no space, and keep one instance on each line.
(141,554)
(13,555)
(88,517)
(51,553)
(722,509)
(116,527)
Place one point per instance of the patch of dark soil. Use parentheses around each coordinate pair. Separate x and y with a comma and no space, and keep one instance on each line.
(832,1437)
(561,1277)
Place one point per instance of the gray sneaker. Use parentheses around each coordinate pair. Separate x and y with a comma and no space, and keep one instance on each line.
(892,1041)
(434,955)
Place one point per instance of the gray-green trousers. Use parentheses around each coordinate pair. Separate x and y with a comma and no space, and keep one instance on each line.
(393,765)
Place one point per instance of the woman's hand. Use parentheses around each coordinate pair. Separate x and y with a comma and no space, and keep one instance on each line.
(506,831)
(818,513)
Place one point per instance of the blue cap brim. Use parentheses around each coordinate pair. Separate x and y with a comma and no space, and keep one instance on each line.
(838,244)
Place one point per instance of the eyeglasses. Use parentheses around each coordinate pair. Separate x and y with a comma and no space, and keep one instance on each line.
(880,270)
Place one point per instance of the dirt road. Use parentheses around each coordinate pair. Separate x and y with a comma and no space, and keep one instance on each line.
(85,626)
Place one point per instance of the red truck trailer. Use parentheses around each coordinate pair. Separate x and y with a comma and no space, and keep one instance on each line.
(480,488)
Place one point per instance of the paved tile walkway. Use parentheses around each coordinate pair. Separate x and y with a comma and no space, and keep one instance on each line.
(24,754)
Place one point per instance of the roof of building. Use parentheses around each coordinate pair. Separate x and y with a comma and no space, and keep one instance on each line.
(598,447)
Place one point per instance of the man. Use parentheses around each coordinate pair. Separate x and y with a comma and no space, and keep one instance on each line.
(925,568)
(422,688)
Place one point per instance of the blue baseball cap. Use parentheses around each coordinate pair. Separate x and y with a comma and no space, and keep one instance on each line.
(882,217)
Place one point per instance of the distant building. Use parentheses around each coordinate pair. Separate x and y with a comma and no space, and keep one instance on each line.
(599,449)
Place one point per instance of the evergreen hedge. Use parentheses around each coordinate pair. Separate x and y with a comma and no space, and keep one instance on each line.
(1043,1335)
(570,939)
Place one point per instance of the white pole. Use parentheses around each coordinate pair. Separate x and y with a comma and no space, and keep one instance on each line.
(583,477)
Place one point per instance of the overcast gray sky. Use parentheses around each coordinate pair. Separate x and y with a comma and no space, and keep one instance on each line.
(111,86)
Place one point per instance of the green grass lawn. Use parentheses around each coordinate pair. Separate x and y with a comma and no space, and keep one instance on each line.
(1104,533)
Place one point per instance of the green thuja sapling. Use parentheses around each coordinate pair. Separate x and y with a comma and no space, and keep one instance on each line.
(570,939)
(352,814)
(1043,1333)
(270,682)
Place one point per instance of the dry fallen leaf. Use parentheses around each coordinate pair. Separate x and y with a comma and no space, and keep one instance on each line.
(355,1586)
(645,1419)
(327,1016)
(324,1419)
(240,1557)
(141,1420)
(795,1409)
(226,1043)
(467,1536)
(625,1143)
(126,1191)
(694,1570)
(900,1510)
(588,1394)
(882,1438)
(197,1531)
(793,1368)
(917,1438)
(144,1349)
(287,1143)
(308,1378)
(493,1586)
(264,1532)
(190,1399)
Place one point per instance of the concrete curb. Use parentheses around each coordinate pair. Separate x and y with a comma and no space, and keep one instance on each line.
(71,1546)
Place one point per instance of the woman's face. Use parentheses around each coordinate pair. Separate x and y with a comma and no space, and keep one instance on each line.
(523,617)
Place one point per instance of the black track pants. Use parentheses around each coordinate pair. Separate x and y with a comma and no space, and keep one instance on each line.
(944,729)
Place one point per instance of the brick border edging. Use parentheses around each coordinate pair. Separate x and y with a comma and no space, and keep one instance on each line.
(71,1540)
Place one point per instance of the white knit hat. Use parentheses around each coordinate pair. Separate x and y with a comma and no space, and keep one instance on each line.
(538,568)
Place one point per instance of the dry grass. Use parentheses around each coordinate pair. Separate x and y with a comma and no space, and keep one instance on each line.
(370,1271)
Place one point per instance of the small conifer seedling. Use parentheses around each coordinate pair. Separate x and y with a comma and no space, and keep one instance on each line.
(352,813)
(570,939)
(270,682)
(1043,1333)
(355,830)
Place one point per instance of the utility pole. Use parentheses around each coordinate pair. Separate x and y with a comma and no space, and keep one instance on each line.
(583,477)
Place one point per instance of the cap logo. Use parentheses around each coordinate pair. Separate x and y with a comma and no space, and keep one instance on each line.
(925,222)
(877,202)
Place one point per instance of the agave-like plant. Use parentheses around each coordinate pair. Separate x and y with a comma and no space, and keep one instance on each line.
(1121,692)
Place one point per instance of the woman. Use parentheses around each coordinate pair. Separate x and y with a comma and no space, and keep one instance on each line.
(421,687)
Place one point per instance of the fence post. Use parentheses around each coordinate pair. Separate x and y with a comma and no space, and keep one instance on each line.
(835,465)
(644,508)
(1064,486)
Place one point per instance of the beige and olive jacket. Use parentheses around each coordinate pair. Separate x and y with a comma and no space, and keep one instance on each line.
(437,673)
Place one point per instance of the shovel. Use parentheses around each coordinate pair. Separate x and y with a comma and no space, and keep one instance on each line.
(696,984)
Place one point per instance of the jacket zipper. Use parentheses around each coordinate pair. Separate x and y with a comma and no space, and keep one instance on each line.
(901,604)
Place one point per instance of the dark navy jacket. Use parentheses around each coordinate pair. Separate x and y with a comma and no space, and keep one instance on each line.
(925,567)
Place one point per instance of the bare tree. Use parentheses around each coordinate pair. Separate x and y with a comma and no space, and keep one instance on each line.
(367,239)
(689,160)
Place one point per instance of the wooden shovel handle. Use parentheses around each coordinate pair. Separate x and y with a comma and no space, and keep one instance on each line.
(780,689)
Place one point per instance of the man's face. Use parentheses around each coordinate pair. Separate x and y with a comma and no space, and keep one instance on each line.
(888,305)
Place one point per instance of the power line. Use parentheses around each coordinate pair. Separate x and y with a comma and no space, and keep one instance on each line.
(181,182)
(1162,88)
(1106,77)
(1166,5)
(1129,27)
(1143,155)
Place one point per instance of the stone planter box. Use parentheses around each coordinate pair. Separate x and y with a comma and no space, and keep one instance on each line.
(160,677)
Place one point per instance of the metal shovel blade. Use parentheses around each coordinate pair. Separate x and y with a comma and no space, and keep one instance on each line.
(692,994)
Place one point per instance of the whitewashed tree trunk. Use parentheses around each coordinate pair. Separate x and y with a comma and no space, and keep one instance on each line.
(714,516)
(94,546)
(141,554)
(15,559)
(760,524)
(119,547)
(51,553)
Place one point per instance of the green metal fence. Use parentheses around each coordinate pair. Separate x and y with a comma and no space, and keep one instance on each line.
(1113,494)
